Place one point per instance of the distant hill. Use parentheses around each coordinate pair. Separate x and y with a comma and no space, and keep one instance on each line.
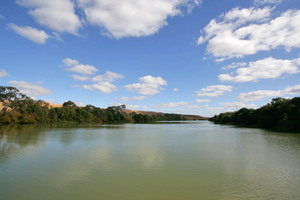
(51,105)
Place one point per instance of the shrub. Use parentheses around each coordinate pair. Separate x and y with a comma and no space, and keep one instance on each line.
(5,119)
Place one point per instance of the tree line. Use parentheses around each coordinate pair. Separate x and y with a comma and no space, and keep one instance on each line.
(280,114)
(18,108)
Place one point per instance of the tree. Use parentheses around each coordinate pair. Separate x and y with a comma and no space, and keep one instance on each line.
(11,97)
(69,104)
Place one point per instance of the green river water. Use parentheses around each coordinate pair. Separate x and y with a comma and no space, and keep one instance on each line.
(184,160)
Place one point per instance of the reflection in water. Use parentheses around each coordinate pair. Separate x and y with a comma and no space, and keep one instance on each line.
(151,159)
(193,160)
(80,170)
(18,139)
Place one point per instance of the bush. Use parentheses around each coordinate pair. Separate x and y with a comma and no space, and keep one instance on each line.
(27,119)
(5,119)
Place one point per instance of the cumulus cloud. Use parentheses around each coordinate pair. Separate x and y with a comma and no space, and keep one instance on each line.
(247,31)
(124,99)
(103,83)
(103,87)
(80,78)
(70,62)
(261,2)
(171,104)
(29,89)
(107,76)
(58,15)
(292,90)
(139,98)
(148,85)
(234,65)
(269,68)
(191,107)
(203,100)
(231,106)
(261,94)
(3,73)
(214,90)
(75,66)
(33,34)
(131,18)
(226,107)
(115,18)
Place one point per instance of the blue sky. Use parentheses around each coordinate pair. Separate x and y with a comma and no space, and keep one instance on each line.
(181,56)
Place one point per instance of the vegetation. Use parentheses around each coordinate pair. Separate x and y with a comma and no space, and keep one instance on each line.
(280,114)
(18,108)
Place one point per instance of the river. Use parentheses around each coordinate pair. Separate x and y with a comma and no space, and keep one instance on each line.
(176,160)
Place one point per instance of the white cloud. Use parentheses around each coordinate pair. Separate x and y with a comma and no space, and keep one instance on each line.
(83,69)
(234,65)
(231,106)
(231,20)
(80,78)
(2,17)
(80,103)
(191,107)
(261,94)
(108,76)
(124,99)
(103,87)
(103,82)
(214,90)
(203,100)
(75,66)
(56,36)
(225,107)
(29,89)
(292,90)
(58,15)
(269,68)
(261,2)
(33,34)
(3,73)
(70,62)
(148,85)
(175,89)
(139,98)
(246,31)
(171,104)
(133,107)
(131,18)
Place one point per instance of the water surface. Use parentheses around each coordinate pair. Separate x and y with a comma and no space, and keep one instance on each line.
(190,160)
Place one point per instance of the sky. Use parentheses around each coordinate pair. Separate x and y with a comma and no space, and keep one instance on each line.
(198,57)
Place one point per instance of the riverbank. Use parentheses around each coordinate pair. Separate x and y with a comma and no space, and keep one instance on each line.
(17,108)
(280,115)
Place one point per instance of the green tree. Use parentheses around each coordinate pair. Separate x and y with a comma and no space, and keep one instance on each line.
(69,104)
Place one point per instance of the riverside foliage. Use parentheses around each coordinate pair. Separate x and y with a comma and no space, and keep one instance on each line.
(280,114)
(20,109)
